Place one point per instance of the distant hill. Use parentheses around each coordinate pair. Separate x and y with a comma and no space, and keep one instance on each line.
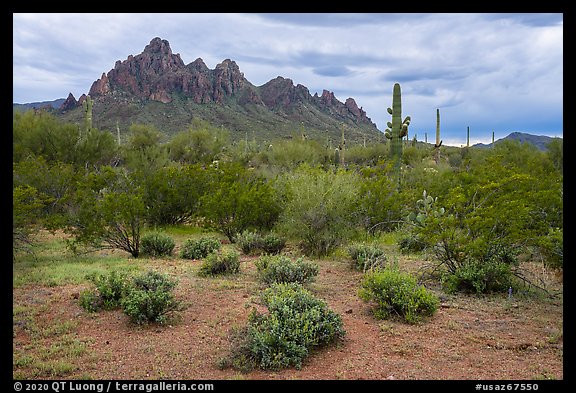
(540,141)
(56,104)
(155,87)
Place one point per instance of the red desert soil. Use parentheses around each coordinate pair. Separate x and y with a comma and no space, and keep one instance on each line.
(470,337)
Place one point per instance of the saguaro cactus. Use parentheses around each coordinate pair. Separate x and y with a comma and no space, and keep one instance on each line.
(398,129)
(468,136)
(87,105)
(342,148)
(438,141)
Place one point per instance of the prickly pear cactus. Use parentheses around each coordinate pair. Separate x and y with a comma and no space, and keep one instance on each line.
(425,207)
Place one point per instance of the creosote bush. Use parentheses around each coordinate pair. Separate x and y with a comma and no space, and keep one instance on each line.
(397,294)
(280,268)
(150,298)
(224,262)
(156,244)
(199,248)
(295,324)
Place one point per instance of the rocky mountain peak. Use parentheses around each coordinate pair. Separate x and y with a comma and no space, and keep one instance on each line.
(157,74)
(69,103)
(158,46)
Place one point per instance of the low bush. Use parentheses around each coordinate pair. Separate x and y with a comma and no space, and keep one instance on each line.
(199,248)
(156,244)
(280,268)
(411,243)
(109,291)
(366,257)
(272,243)
(487,269)
(249,242)
(225,262)
(479,277)
(254,243)
(397,293)
(90,300)
(150,299)
(295,324)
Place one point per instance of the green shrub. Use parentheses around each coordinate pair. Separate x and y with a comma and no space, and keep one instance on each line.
(295,324)
(156,244)
(225,262)
(254,243)
(249,241)
(110,289)
(479,277)
(320,208)
(367,257)
(280,268)
(150,299)
(552,247)
(90,300)
(199,248)
(411,243)
(272,243)
(397,293)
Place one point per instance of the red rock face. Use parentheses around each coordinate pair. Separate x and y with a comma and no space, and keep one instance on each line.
(69,103)
(156,74)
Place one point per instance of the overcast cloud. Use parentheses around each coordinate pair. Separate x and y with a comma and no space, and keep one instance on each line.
(491,72)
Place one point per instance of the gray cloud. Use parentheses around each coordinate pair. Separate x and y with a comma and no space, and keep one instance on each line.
(487,71)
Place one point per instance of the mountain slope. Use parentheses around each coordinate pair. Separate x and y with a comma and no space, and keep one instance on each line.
(156,87)
(55,104)
(540,141)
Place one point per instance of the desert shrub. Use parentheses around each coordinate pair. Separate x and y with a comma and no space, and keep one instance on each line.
(199,248)
(150,299)
(225,262)
(366,257)
(479,277)
(249,241)
(551,246)
(108,294)
(156,244)
(411,243)
(238,199)
(397,293)
(280,268)
(272,243)
(90,300)
(295,324)
(252,243)
(319,208)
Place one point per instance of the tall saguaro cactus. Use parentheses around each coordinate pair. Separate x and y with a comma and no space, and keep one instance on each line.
(468,136)
(342,148)
(438,141)
(87,105)
(397,129)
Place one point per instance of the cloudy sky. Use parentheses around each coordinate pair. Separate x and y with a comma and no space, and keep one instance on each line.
(489,72)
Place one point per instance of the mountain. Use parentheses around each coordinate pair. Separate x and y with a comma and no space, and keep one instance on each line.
(540,141)
(56,104)
(156,87)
